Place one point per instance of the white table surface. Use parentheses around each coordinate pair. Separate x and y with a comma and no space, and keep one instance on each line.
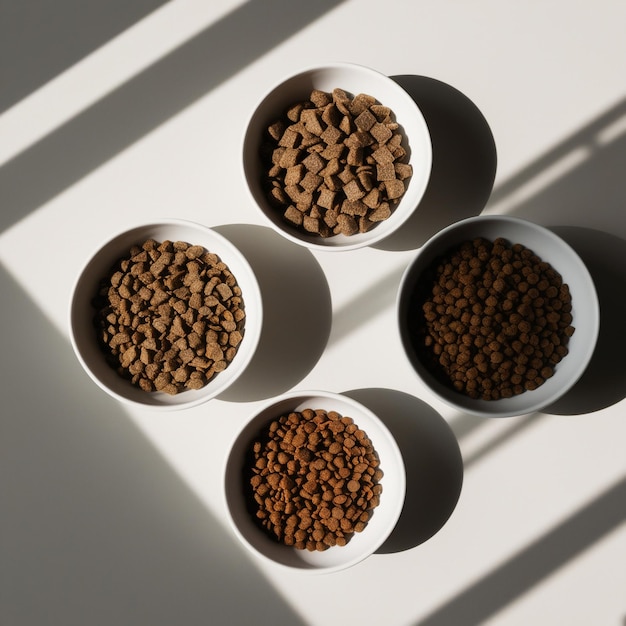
(115,516)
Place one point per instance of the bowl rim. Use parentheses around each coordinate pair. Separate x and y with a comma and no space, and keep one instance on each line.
(296,399)
(138,227)
(497,408)
(341,243)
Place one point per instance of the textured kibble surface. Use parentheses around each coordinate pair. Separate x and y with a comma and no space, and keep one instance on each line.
(169,316)
(491,319)
(335,164)
(312,479)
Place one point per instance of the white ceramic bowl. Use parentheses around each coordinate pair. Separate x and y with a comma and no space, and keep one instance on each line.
(83,333)
(362,544)
(550,248)
(353,79)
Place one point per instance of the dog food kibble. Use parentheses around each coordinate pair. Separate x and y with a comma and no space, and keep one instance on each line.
(312,478)
(335,164)
(491,319)
(169,316)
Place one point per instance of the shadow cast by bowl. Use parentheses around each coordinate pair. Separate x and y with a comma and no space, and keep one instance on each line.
(603,383)
(432,457)
(96,527)
(464,161)
(296,312)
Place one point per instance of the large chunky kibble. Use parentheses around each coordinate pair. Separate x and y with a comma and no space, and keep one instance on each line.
(335,164)
(491,319)
(312,479)
(169,316)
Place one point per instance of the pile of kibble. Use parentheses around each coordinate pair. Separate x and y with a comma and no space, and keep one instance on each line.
(335,164)
(312,479)
(169,316)
(491,319)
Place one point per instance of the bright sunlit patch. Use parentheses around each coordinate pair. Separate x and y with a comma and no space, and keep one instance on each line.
(613,131)
(101,72)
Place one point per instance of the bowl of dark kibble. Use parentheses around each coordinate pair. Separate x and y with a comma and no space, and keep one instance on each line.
(498,316)
(337,157)
(314,482)
(165,315)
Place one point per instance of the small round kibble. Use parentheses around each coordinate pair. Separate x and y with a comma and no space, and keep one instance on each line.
(169,316)
(491,319)
(335,164)
(305,487)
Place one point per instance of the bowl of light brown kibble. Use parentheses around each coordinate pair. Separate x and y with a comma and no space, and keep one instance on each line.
(498,316)
(314,482)
(337,157)
(165,315)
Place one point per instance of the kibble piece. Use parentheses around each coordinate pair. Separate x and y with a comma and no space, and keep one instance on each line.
(290,138)
(311,181)
(293,175)
(341,99)
(353,190)
(403,170)
(394,188)
(360,103)
(346,225)
(385,172)
(311,224)
(365,120)
(382,212)
(372,198)
(314,163)
(326,198)
(276,130)
(310,116)
(293,215)
(333,151)
(355,156)
(354,208)
(331,135)
(330,217)
(381,133)
(383,155)
(320,98)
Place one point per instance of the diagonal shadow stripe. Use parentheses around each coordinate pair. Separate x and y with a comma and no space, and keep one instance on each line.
(144,102)
(587,137)
(522,423)
(526,569)
(40,39)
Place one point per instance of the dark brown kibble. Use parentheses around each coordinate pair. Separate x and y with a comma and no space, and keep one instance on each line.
(321,491)
(491,319)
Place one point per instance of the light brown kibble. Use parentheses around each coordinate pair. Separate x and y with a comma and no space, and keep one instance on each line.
(344,156)
(160,316)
